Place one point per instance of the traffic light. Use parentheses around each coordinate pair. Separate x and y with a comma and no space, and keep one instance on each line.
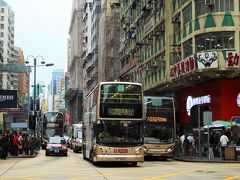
(37,105)
(32,122)
(31,104)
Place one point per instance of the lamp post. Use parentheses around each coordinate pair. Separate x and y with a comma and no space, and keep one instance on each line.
(30,57)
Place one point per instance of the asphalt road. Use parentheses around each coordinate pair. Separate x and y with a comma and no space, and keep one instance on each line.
(73,167)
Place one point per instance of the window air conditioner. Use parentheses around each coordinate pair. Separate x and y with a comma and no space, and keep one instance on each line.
(209,2)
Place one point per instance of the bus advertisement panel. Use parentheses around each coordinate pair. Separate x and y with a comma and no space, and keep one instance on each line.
(113,123)
(159,126)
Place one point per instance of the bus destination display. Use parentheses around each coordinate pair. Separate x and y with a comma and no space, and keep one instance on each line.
(121,111)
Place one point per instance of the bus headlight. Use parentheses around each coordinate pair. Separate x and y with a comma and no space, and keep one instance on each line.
(145,149)
(104,151)
(170,149)
(137,151)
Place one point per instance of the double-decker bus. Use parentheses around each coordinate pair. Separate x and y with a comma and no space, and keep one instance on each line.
(52,125)
(159,126)
(113,123)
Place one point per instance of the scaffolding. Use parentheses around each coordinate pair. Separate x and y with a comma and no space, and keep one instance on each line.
(109,41)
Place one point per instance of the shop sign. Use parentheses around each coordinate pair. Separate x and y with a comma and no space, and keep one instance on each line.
(232,59)
(8,98)
(238,100)
(207,60)
(196,101)
(182,67)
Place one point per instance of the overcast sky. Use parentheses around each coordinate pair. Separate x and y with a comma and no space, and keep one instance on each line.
(41,28)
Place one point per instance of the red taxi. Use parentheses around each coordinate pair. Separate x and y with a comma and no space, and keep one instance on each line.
(56,145)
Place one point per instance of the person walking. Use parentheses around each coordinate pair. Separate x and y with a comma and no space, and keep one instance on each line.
(5,144)
(15,144)
(20,144)
(26,144)
(224,142)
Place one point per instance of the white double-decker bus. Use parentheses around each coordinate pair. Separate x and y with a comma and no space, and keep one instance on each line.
(159,126)
(113,122)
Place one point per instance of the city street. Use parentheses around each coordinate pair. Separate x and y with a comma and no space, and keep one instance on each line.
(74,167)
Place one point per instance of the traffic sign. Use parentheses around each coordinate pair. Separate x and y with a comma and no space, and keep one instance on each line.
(13,68)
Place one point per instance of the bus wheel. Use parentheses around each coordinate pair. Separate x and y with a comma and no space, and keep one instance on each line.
(133,164)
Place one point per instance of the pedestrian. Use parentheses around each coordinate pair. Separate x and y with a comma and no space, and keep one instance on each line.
(186,146)
(224,142)
(20,144)
(1,149)
(26,144)
(11,149)
(5,144)
(15,144)
(178,149)
(182,138)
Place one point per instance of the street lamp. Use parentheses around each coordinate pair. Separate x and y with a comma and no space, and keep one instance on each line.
(30,57)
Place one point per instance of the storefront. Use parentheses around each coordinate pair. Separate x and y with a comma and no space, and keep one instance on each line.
(221,97)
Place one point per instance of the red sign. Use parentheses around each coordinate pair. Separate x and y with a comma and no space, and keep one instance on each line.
(120,150)
(232,59)
(183,67)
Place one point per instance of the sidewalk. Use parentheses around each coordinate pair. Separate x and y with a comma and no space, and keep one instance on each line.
(205,159)
(24,156)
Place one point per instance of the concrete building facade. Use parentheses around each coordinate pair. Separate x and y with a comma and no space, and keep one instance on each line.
(74,79)
(7,44)
(180,48)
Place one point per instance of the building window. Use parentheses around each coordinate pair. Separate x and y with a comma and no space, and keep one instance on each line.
(187,13)
(2,10)
(2,26)
(2,18)
(217,6)
(187,48)
(214,40)
(2,34)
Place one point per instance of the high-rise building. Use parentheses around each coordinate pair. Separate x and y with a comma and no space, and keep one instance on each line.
(109,41)
(74,78)
(7,80)
(188,49)
(55,89)
(91,16)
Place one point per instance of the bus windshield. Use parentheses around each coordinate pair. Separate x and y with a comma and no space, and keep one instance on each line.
(159,120)
(52,124)
(120,101)
(157,133)
(119,133)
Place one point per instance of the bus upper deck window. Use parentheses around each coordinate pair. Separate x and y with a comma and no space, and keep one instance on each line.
(120,88)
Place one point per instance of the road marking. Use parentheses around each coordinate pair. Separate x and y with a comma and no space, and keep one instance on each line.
(232,177)
(174,174)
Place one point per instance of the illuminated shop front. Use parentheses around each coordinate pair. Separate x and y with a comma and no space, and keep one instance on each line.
(219,96)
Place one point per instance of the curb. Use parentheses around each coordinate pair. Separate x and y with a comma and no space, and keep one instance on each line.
(205,160)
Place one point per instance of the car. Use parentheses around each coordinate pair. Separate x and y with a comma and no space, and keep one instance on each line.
(56,145)
(76,145)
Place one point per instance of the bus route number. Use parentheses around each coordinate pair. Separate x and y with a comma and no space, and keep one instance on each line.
(120,112)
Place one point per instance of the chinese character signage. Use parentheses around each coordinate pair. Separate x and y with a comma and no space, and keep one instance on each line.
(182,67)
(207,60)
(232,59)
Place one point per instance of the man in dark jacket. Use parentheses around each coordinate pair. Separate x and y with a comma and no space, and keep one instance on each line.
(5,144)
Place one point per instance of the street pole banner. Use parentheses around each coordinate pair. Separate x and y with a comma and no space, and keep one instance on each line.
(8,98)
